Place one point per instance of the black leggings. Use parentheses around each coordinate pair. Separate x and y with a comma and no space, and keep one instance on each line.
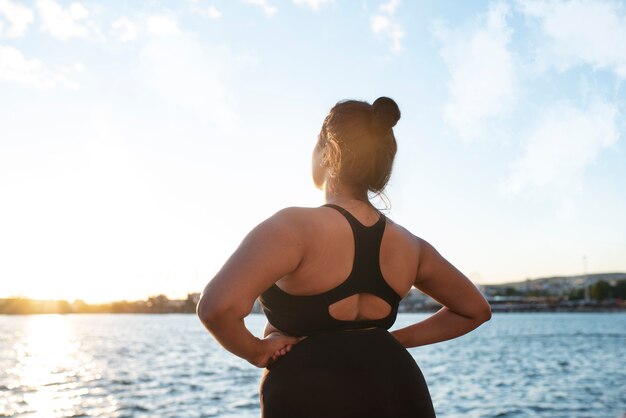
(365,373)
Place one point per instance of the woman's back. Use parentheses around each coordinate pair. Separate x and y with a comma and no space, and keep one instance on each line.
(328,248)
(344,296)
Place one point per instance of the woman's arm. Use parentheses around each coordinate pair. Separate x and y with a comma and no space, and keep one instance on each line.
(269,252)
(464,307)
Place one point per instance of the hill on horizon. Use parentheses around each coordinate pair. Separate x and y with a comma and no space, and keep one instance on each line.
(576,280)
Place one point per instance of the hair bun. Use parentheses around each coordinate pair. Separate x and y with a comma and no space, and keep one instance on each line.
(386,113)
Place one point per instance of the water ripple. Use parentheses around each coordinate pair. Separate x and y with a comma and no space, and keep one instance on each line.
(517,365)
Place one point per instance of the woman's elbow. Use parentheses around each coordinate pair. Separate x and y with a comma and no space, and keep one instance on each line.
(208,312)
(484,314)
(213,310)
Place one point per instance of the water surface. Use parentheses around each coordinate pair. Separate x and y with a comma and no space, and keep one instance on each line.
(517,365)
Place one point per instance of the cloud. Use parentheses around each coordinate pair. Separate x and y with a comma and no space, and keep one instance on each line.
(147,29)
(178,68)
(68,23)
(162,26)
(483,80)
(390,7)
(268,9)
(210,11)
(124,29)
(580,32)
(380,23)
(17,15)
(15,68)
(313,4)
(385,23)
(562,144)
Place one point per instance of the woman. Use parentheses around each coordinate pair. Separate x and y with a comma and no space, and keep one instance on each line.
(330,279)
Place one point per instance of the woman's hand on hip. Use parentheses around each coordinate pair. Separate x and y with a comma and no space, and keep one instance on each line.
(274,346)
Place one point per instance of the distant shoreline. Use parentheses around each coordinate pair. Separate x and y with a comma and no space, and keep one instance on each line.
(601,292)
(495,312)
(415,302)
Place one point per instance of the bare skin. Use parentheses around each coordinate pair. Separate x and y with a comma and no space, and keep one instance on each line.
(309,251)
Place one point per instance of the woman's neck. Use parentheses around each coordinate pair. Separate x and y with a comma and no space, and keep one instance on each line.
(342,195)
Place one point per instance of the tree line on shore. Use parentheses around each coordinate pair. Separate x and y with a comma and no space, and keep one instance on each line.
(154,304)
(601,292)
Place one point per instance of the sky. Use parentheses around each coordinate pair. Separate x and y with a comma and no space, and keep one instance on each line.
(141,141)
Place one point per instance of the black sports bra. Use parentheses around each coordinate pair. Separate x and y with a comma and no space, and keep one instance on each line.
(301,315)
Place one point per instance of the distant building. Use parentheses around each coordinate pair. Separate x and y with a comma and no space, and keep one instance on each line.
(193,298)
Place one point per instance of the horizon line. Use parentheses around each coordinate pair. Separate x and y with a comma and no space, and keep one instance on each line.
(170,297)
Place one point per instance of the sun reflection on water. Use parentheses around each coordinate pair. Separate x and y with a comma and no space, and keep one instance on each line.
(50,369)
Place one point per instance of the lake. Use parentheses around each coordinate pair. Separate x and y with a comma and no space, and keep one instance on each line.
(517,365)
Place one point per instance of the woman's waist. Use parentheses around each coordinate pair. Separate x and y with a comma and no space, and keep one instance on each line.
(306,325)
(346,348)
(350,338)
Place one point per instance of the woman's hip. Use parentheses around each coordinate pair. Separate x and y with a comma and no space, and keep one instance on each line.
(356,371)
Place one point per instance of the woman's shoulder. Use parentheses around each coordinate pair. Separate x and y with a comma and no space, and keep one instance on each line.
(403,230)
(294,217)
(285,227)
(295,214)
(402,233)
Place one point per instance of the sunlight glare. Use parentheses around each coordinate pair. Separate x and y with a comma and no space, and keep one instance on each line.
(50,366)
